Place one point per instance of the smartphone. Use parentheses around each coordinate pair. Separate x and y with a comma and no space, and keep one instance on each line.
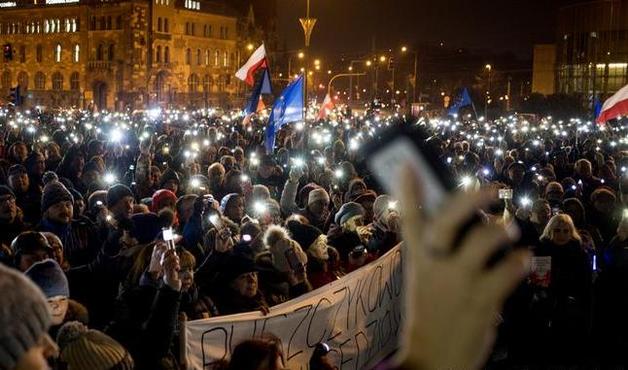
(294,262)
(410,143)
(505,193)
(168,235)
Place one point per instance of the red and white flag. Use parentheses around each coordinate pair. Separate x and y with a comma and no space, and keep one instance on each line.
(256,61)
(615,106)
(328,105)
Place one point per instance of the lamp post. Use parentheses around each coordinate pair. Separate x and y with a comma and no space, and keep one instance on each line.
(307,24)
(404,49)
(341,75)
(489,69)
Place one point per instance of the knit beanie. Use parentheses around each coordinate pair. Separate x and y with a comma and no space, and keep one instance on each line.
(5,190)
(95,198)
(17,169)
(116,193)
(24,316)
(316,195)
(347,211)
(305,235)
(367,196)
(168,175)
(304,193)
(235,266)
(54,192)
(87,349)
(160,197)
(76,194)
(50,278)
(260,192)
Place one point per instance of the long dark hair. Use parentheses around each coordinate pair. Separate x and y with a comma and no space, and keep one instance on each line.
(252,354)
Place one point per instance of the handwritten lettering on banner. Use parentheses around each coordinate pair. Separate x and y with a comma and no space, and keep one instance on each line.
(358,316)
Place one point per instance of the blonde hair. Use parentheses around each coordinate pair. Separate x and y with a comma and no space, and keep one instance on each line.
(561,218)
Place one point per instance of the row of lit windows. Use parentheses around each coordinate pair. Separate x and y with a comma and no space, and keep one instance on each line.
(39,53)
(190,29)
(45,26)
(57,80)
(204,58)
(192,4)
(162,2)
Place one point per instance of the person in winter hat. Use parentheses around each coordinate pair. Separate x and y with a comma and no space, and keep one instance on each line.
(278,242)
(232,207)
(238,290)
(11,223)
(345,237)
(317,208)
(51,279)
(79,237)
(163,198)
(120,201)
(385,229)
(321,269)
(24,322)
(28,248)
(170,180)
(81,348)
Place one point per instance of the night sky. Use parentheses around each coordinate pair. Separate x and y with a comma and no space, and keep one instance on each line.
(349,26)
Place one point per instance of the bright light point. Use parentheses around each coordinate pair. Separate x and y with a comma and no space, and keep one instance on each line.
(259,208)
(109,178)
(244,178)
(195,183)
(298,162)
(338,174)
(525,201)
(115,135)
(486,172)
(465,181)
(392,205)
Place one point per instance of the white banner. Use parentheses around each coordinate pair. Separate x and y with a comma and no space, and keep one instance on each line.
(358,316)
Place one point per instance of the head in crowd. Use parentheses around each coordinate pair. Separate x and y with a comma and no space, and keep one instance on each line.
(8,207)
(24,323)
(51,279)
(82,349)
(57,203)
(560,230)
(29,248)
(120,201)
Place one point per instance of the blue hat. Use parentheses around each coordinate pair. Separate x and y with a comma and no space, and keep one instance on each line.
(49,277)
(347,211)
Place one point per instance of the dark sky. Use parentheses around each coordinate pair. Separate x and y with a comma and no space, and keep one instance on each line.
(347,26)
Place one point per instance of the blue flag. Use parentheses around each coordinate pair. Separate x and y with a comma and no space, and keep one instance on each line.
(287,108)
(597,108)
(463,100)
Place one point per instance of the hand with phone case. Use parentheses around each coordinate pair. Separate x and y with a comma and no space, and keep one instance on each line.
(454,297)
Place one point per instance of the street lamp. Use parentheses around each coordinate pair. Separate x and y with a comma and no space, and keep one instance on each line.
(489,69)
(382,58)
(368,63)
(249,47)
(301,55)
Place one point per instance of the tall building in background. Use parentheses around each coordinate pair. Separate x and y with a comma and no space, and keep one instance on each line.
(118,54)
(592,48)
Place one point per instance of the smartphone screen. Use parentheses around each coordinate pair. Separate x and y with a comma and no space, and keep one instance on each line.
(168,234)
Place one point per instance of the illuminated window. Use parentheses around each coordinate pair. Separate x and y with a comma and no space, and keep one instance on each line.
(58,53)
(75,81)
(57,81)
(40,81)
(58,25)
(225,59)
(46,26)
(74,26)
(207,57)
(216,58)
(77,53)
(68,26)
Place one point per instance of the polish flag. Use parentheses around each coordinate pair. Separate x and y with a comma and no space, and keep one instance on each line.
(328,105)
(256,61)
(615,106)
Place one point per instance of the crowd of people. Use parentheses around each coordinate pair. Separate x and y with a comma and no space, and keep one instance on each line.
(130,224)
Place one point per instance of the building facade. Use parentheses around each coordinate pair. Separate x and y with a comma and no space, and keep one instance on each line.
(592,48)
(121,54)
(543,65)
